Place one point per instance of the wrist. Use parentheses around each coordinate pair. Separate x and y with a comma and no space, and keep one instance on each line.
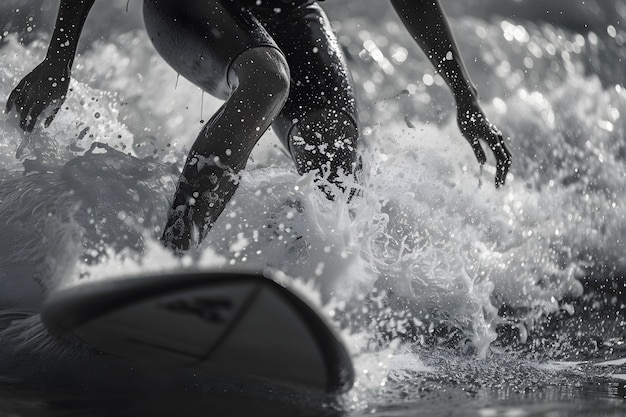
(465,96)
(58,63)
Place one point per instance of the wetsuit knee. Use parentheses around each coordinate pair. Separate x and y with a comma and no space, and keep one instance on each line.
(263,72)
(259,83)
(325,140)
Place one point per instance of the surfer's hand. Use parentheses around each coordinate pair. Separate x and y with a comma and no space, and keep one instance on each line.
(44,88)
(474,126)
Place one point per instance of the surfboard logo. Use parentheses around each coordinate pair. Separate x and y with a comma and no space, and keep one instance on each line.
(212,310)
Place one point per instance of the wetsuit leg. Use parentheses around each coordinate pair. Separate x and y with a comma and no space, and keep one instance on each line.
(254,75)
(318,124)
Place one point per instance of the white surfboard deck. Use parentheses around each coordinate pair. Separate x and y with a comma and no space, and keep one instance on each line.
(237,323)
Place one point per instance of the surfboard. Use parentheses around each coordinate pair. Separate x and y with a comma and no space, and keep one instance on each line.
(232,323)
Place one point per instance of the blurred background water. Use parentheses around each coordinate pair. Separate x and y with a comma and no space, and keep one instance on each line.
(454,298)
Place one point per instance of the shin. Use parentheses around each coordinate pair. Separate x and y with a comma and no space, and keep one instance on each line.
(259,79)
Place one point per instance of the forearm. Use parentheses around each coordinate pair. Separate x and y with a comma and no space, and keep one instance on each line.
(69,25)
(426,21)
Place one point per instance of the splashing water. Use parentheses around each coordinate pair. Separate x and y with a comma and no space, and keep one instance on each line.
(436,280)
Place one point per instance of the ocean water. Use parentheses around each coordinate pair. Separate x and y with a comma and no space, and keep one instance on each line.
(452,297)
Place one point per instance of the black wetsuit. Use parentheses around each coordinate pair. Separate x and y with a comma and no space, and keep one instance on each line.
(203,41)
(206,42)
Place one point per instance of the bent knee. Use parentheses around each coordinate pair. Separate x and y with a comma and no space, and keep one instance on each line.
(263,68)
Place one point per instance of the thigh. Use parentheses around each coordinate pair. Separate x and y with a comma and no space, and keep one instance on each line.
(320,79)
(200,38)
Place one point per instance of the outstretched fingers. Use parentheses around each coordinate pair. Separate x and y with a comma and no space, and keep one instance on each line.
(50,118)
(475,127)
(42,90)
(478,150)
(29,118)
(35,111)
(10,101)
(29,110)
(16,98)
(503,159)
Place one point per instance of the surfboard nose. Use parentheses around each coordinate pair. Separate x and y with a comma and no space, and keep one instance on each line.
(238,324)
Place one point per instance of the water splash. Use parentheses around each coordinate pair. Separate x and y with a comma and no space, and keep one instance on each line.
(425,267)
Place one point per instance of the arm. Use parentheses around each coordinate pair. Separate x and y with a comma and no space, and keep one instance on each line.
(427,24)
(47,84)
